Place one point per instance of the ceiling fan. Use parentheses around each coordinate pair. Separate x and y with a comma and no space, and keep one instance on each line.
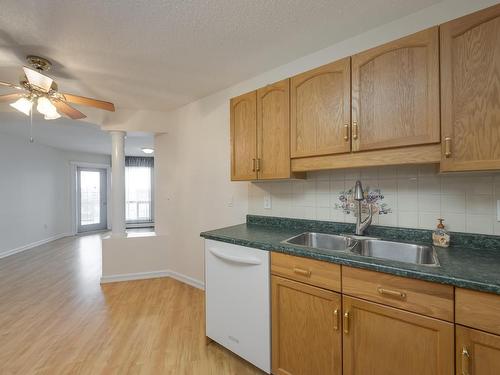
(37,87)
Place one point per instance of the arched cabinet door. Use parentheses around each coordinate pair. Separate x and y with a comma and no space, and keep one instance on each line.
(395,93)
(320,111)
(470,92)
(273,130)
(244,137)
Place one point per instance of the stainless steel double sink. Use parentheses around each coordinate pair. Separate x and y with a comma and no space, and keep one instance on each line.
(368,247)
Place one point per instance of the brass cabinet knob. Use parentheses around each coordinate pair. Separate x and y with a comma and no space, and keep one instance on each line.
(447,147)
(346,322)
(336,319)
(346,132)
(302,272)
(354,130)
(465,361)
(391,293)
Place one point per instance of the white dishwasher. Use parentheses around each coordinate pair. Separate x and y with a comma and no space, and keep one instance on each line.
(238,300)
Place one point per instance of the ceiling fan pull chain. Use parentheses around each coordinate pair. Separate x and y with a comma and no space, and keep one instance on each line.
(31,126)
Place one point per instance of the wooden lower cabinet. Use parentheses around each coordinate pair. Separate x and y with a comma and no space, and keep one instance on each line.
(306,329)
(381,340)
(477,352)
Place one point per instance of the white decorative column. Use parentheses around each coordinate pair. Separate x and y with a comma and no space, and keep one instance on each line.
(117,183)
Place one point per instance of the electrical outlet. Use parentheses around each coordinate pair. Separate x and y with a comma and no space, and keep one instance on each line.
(267,201)
(231,202)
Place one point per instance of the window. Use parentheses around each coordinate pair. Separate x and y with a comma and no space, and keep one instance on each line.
(138,190)
(90,208)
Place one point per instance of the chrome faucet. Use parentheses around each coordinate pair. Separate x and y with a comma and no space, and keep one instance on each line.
(359,196)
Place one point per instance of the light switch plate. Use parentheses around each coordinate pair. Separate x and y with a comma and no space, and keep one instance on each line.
(267,201)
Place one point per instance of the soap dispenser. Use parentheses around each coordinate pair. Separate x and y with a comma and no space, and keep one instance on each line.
(440,236)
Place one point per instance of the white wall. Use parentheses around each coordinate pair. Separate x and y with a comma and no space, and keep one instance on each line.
(34,191)
(193,189)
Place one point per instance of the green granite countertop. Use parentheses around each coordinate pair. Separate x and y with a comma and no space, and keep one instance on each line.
(473,261)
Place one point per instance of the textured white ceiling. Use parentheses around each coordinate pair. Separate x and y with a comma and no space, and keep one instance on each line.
(71,135)
(160,54)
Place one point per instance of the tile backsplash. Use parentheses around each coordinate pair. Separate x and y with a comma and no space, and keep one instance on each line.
(406,196)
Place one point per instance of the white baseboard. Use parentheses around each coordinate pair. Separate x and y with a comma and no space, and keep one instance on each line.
(33,244)
(187,280)
(153,275)
(134,276)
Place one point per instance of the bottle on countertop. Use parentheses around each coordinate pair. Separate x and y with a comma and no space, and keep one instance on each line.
(440,236)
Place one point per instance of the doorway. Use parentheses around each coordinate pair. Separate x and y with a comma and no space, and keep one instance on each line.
(91,199)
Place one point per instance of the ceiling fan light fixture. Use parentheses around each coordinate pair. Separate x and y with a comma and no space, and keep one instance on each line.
(45,107)
(52,116)
(40,90)
(147,150)
(22,105)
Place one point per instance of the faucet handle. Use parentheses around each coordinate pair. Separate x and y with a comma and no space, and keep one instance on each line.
(358,191)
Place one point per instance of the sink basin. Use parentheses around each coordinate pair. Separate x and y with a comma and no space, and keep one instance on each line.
(398,251)
(322,241)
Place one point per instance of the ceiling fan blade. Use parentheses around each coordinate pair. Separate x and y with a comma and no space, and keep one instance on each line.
(38,79)
(10,97)
(68,110)
(76,99)
(11,85)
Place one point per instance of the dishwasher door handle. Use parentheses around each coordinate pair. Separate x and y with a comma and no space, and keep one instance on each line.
(235,258)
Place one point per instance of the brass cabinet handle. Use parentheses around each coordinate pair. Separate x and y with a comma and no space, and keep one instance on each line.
(336,319)
(465,361)
(391,293)
(447,147)
(254,164)
(302,272)
(258,164)
(346,322)
(346,132)
(354,130)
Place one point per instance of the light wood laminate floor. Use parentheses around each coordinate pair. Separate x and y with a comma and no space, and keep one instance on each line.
(55,318)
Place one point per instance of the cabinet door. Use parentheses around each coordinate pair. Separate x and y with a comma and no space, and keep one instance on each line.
(395,93)
(380,340)
(320,110)
(478,353)
(470,91)
(244,137)
(306,338)
(273,130)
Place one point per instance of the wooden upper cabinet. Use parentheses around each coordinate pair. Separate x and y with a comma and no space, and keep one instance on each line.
(306,329)
(380,340)
(395,93)
(320,111)
(273,130)
(243,113)
(470,91)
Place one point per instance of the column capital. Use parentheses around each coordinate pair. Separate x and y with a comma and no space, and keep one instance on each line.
(117,132)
